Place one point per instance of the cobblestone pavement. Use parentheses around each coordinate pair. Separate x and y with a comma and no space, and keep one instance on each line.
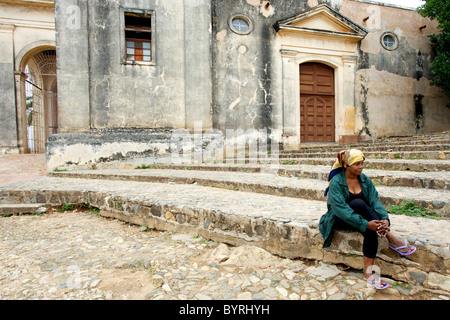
(78,255)
(21,167)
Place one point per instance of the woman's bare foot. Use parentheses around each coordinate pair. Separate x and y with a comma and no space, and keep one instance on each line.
(399,245)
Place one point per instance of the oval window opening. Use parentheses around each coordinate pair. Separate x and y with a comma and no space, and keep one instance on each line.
(240,25)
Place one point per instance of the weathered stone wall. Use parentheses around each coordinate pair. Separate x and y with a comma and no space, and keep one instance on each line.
(247,69)
(132,147)
(392,87)
(73,65)
(102,91)
(107,92)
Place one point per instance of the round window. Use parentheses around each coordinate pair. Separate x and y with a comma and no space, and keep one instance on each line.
(389,41)
(240,24)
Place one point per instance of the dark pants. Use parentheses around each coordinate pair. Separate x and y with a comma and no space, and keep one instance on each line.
(370,243)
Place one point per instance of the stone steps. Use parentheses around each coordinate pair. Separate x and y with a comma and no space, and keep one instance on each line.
(429,180)
(286,226)
(7,209)
(274,203)
(412,155)
(418,165)
(444,146)
(417,143)
(412,140)
(269,183)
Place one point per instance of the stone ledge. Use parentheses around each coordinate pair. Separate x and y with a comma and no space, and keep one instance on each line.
(436,200)
(106,146)
(429,180)
(10,209)
(429,265)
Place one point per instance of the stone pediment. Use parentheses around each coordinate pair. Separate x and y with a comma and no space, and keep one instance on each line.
(322,19)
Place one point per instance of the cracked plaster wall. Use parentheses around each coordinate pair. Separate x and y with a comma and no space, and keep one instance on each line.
(105,92)
(98,90)
(386,82)
(247,69)
(133,95)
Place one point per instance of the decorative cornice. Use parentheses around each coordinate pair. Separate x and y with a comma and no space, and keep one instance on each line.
(356,31)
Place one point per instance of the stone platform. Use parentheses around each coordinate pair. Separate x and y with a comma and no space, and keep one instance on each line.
(273,206)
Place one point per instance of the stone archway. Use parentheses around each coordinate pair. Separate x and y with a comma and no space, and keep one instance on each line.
(37,97)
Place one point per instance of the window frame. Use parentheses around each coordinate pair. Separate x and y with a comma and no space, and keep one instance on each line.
(241,17)
(123,41)
(393,36)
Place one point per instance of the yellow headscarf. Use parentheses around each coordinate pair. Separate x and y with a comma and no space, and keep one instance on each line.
(344,159)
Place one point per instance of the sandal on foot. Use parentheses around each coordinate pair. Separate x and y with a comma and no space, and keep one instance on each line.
(404,246)
(377,283)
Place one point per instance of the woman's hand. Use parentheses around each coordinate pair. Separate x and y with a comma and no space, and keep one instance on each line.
(380,226)
(383,227)
(374,225)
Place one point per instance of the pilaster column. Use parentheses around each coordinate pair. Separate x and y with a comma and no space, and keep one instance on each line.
(21,113)
(348,130)
(291,99)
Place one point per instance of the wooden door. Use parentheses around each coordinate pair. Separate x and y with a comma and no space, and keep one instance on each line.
(316,103)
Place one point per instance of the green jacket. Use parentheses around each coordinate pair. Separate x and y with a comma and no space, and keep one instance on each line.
(338,195)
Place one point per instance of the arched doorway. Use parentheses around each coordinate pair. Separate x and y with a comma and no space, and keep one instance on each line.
(39,93)
(317,103)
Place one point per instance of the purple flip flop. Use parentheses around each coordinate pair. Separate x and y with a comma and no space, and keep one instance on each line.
(377,284)
(403,247)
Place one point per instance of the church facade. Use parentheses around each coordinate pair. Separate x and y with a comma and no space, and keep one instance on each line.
(131,72)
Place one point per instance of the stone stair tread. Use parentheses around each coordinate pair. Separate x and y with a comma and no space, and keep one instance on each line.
(253,205)
(21,205)
(368,148)
(13,208)
(323,170)
(370,154)
(179,194)
(209,172)
(442,137)
(384,164)
(383,145)
(441,198)
(274,160)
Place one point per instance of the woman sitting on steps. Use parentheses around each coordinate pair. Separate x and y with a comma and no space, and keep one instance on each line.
(353,204)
